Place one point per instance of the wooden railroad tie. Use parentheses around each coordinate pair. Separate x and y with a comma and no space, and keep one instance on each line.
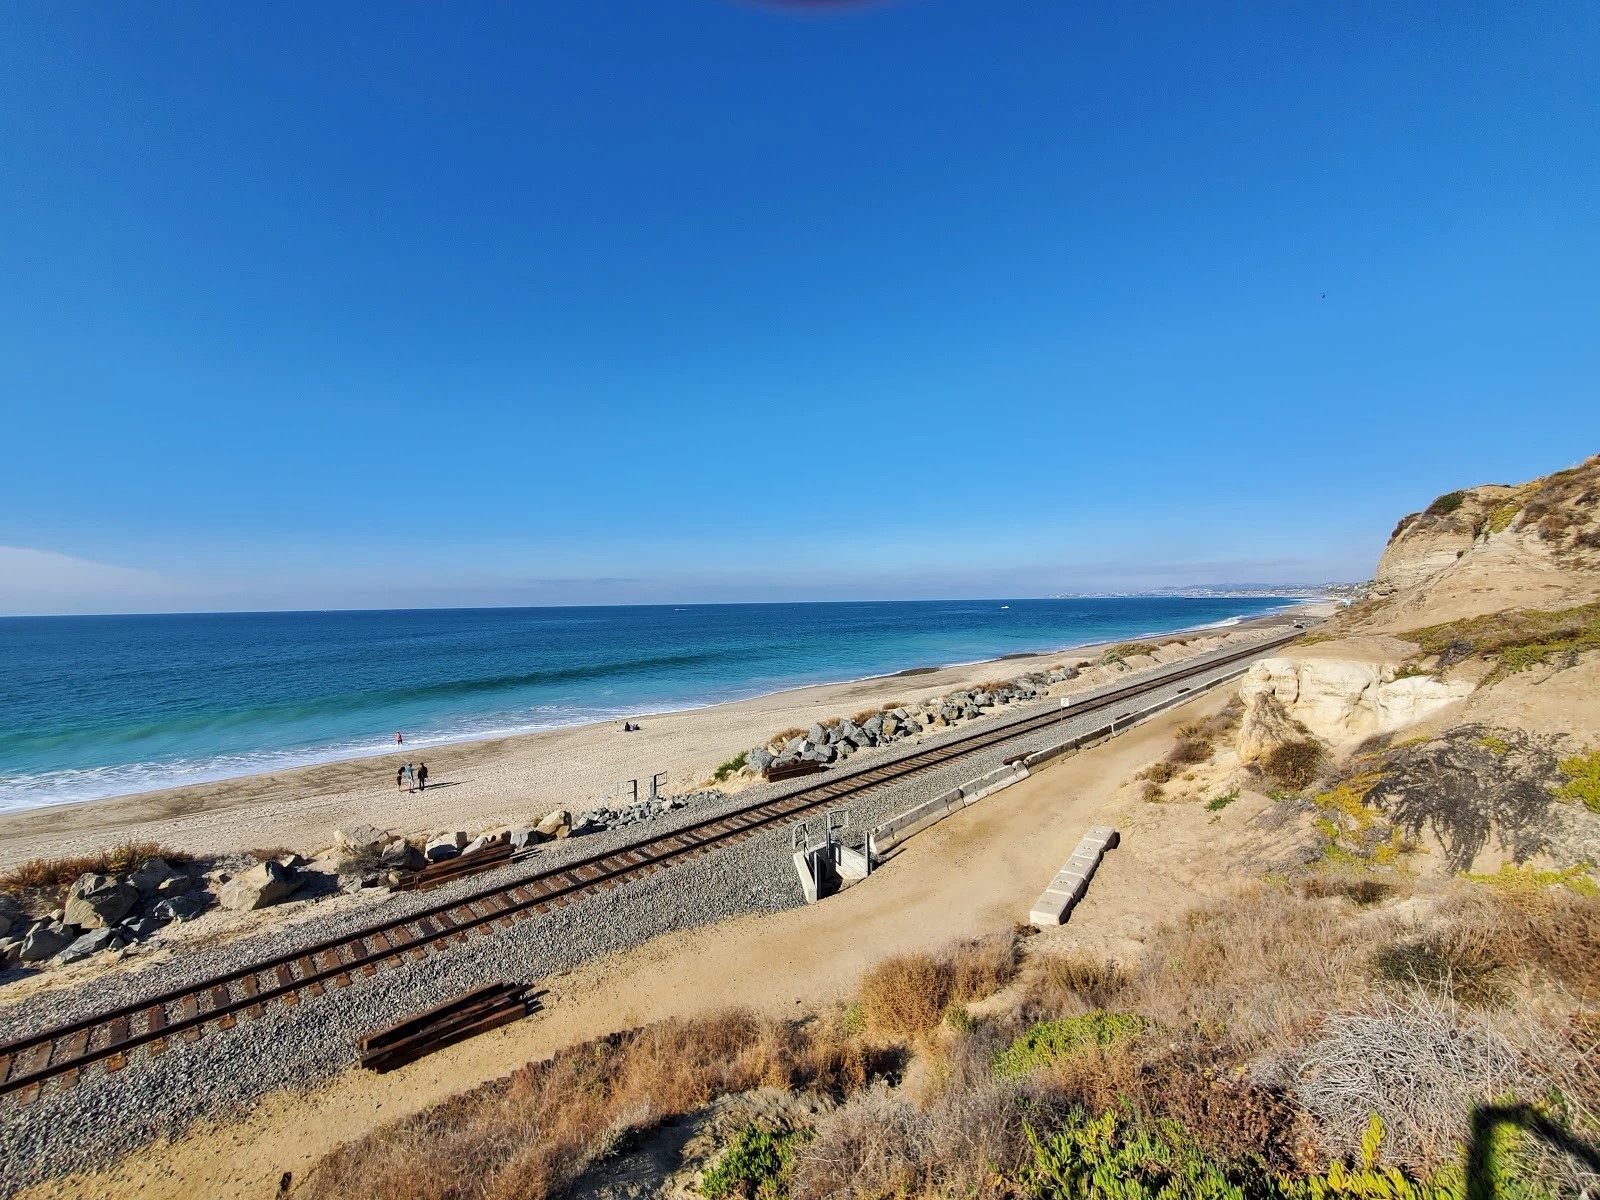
(470,1013)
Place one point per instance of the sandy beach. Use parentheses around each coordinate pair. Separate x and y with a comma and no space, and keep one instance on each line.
(476,785)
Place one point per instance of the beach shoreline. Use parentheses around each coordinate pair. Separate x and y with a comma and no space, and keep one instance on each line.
(507,779)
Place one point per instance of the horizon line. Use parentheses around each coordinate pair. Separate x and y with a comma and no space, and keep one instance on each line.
(1241,591)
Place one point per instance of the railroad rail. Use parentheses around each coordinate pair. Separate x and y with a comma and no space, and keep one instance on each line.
(61,1053)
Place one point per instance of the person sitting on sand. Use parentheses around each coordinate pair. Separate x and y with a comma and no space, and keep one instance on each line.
(422,777)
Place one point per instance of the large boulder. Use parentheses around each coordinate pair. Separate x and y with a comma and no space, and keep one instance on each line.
(98,901)
(92,942)
(45,941)
(444,845)
(179,908)
(523,838)
(555,824)
(151,874)
(263,884)
(758,759)
(360,840)
(10,915)
(174,885)
(1346,699)
(400,855)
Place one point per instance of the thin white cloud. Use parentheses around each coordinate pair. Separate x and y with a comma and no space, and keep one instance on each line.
(42,581)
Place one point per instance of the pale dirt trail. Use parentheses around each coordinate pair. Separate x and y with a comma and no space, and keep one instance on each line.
(972,874)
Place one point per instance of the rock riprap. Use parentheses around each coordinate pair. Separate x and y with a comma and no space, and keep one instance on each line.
(263,884)
(98,901)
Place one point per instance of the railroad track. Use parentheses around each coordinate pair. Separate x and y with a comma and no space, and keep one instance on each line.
(61,1053)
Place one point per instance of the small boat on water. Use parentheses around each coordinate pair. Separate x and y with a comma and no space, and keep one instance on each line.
(1005,606)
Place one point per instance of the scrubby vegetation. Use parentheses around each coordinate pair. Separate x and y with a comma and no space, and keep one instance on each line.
(530,1135)
(1293,764)
(910,993)
(1218,803)
(730,767)
(1514,640)
(755,1165)
(1195,743)
(46,874)
(1582,782)
(1445,504)
(1279,1043)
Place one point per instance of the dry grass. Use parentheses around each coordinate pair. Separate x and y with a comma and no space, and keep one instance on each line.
(784,736)
(1361,887)
(1068,984)
(1551,930)
(529,1136)
(1245,972)
(263,853)
(1196,743)
(44,873)
(908,994)
(1293,765)
(980,967)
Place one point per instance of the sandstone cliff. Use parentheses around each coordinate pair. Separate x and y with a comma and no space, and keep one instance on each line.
(1489,548)
(1456,699)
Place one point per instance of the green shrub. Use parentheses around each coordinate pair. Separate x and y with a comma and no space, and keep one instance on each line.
(753,1167)
(1110,1158)
(1583,780)
(1048,1041)
(1515,640)
(1222,801)
(1446,504)
(728,768)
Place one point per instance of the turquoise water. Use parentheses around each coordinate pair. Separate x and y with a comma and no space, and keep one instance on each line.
(105,706)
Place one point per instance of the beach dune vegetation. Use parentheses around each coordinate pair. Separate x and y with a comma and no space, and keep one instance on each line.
(44,873)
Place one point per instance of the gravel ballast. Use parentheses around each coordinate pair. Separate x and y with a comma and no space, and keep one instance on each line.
(110,1114)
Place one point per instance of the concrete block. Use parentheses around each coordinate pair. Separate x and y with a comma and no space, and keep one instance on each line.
(1055,904)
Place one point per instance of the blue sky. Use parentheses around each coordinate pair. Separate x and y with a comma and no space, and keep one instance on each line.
(408,303)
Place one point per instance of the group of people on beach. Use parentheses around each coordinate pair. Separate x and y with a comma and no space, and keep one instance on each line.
(409,780)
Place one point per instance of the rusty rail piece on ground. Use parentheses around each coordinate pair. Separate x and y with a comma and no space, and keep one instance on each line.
(437,874)
(470,1013)
(61,1052)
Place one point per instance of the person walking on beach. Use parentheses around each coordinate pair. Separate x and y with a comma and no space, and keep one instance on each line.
(399,778)
(411,779)
(422,777)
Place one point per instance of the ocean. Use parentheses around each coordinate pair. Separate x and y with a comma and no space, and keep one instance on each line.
(106,706)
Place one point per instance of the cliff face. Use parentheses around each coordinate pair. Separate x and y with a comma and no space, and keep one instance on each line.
(1486,549)
(1424,544)
(1476,663)
(1475,553)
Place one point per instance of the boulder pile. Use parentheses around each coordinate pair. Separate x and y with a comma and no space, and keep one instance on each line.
(835,740)
(101,912)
